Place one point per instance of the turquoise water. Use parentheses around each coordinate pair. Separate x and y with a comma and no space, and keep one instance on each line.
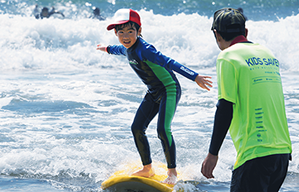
(255,9)
(66,109)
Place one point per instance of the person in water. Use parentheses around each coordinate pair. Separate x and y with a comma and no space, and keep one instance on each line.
(36,12)
(164,91)
(251,106)
(45,13)
(97,14)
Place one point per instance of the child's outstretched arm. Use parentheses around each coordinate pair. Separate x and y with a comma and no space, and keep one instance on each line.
(113,49)
(203,82)
(101,48)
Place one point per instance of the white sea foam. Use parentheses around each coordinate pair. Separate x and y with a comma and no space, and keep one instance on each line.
(70,44)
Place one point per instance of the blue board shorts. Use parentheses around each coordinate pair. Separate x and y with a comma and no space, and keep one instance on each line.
(263,174)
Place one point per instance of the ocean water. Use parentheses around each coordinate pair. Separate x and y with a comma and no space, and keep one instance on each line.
(66,109)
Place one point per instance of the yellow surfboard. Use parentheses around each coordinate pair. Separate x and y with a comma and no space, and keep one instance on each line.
(122,180)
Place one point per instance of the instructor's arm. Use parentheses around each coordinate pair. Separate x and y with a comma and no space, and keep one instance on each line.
(223,117)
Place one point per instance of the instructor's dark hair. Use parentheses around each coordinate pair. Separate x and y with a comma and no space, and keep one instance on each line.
(229,23)
(229,36)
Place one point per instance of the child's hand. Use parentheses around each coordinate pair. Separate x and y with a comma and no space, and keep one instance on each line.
(101,48)
(203,82)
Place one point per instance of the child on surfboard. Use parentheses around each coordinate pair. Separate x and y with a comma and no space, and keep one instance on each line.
(164,91)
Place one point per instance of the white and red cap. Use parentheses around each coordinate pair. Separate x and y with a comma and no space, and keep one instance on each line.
(123,16)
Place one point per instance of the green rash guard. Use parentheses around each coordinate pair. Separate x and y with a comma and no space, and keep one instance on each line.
(248,76)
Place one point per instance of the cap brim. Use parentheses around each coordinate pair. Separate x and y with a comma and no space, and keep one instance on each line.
(112,26)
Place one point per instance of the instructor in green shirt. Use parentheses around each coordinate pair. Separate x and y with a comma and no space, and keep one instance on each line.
(251,106)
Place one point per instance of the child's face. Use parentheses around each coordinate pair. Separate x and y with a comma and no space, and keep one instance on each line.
(127,35)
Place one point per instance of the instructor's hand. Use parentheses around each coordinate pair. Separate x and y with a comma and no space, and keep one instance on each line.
(208,166)
(203,82)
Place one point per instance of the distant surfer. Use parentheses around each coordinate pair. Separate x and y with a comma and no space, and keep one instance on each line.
(45,13)
(251,106)
(97,14)
(36,12)
(164,91)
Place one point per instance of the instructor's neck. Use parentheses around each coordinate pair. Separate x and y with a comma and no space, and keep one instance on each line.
(238,39)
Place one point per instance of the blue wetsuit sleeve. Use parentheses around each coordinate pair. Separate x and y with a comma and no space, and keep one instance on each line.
(157,57)
(117,50)
(183,70)
(223,117)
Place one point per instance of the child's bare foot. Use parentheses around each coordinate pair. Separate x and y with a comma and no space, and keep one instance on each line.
(172,177)
(147,171)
